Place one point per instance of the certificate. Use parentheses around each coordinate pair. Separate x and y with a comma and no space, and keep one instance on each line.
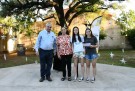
(86,44)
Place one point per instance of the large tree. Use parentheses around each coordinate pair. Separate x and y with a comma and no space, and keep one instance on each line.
(54,9)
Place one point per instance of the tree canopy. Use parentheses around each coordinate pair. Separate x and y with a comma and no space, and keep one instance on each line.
(53,8)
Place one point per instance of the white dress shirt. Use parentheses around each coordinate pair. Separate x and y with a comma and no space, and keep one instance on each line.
(45,40)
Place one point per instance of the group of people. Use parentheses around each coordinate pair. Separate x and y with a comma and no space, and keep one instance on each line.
(67,48)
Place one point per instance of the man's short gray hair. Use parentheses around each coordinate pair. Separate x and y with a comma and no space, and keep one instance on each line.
(48,24)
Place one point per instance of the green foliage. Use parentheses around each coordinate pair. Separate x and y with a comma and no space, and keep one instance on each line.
(76,8)
(102,35)
(116,6)
(129,56)
(29,33)
(24,23)
(104,58)
(127,24)
(126,20)
(131,37)
(7,23)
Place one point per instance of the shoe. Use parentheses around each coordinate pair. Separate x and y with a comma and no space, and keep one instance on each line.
(63,78)
(69,79)
(41,79)
(49,79)
(93,80)
(82,78)
(88,80)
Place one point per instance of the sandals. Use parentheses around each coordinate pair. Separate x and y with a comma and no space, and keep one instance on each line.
(93,80)
(63,78)
(69,79)
(88,80)
(82,78)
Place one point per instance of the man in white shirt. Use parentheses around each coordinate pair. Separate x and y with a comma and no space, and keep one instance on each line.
(44,48)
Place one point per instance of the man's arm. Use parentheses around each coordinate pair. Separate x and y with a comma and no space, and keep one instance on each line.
(37,44)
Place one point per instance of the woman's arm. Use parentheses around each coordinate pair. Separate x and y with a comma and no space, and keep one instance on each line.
(94,46)
(96,43)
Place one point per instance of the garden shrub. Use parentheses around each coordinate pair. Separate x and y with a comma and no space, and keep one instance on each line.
(102,35)
(131,37)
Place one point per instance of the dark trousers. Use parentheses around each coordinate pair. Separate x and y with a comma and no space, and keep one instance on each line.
(57,64)
(66,60)
(46,57)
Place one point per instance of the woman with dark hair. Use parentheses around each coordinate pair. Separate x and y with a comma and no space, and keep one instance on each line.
(90,53)
(78,52)
(64,52)
(57,64)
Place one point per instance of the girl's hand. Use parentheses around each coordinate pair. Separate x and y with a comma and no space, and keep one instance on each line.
(91,46)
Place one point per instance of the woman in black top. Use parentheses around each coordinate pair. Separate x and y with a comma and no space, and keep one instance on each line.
(90,53)
(57,64)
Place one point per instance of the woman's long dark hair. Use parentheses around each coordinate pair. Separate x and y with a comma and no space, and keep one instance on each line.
(90,31)
(73,35)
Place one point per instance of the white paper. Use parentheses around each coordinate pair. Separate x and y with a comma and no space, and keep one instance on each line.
(86,44)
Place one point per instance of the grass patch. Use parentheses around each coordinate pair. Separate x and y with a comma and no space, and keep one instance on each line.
(14,60)
(128,55)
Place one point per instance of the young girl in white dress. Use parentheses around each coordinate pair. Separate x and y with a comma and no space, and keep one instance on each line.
(78,52)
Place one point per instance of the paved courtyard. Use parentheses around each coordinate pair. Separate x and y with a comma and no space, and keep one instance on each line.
(26,78)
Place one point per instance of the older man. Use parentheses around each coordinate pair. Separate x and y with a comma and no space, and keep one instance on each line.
(44,48)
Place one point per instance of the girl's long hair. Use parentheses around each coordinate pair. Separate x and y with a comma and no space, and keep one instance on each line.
(73,35)
(86,34)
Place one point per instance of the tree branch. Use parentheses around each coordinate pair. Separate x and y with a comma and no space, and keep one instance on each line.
(27,1)
(79,5)
(18,8)
(71,9)
(77,14)
(74,16)
(6,1)
(60,12)
(19,2)
(49,17)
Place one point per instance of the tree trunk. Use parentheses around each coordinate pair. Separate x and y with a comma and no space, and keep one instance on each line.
(60,13)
